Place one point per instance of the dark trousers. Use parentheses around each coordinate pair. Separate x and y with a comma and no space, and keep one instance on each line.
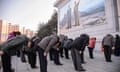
(42,60)
(22,55)
(76,59)
(61,52)
(6,62)
(32,59)
(66,53)
(117,51)
(51,52)
(90,52)
(56,56)
(107,53)
(82,57)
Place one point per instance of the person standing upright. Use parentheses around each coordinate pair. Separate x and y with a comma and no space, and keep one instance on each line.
(108,43)
(117,45)
(91,46)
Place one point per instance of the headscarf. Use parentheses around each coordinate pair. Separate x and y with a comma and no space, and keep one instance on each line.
(11,35)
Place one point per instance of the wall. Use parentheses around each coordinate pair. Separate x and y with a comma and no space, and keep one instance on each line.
(91,23)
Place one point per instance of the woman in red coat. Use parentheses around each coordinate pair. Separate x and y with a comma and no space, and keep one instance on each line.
(91,46)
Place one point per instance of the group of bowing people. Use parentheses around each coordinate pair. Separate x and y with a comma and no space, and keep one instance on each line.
(49,44)
(54,45)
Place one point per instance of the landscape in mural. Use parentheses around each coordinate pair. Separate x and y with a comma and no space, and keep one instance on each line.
(85,12)
(91,12)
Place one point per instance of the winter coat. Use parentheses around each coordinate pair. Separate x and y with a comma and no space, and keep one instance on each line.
(67,43)
(48,42)
(80,42)
(12,45)
(92,42)
(108,40)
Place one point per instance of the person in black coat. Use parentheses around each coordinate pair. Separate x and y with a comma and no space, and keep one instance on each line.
(67,42)
(6,58)
(85,43)
(77,48)
(9,48)
(117,45)
(32,57)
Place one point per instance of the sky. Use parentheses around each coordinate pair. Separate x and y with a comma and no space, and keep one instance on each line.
(27,13)
(86,5)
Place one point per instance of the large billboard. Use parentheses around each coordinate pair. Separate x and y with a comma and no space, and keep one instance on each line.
(89,12)
(82,12)
(65,16)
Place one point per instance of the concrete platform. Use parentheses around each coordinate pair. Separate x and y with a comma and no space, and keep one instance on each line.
(92,65)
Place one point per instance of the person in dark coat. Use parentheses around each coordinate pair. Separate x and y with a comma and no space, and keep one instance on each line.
(56,54)
(32,53)
(6,58)
(117,45)
(77,47)
(85,37)
(108,43)
(61,51)
(66,44)
(9,48)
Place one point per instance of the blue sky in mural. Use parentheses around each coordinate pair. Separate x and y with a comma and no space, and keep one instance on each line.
(88,5)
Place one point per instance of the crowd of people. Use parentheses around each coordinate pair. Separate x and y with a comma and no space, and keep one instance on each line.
(57,47)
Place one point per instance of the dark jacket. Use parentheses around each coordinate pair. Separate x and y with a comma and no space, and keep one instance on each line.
(34,41)
(117,42)
(67,43)
(14,44)
(80,42)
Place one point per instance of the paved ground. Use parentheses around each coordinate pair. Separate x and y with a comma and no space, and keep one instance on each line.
(93,65)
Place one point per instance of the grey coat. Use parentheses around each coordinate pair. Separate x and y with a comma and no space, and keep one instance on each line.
(48,42)
(108,40)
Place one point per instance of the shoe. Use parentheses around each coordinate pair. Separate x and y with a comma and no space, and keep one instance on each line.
(82,70)
(59,64)
(83,62)
(109,61)
(24,61)
(12,70)
(51,59)
(91,57)
(34,67)
(67,58)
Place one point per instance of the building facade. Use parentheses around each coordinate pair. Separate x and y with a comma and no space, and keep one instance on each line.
(94,17)
(7,27)
(3,30)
